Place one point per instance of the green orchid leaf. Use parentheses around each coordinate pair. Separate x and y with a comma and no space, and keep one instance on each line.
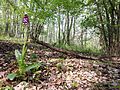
(11,76)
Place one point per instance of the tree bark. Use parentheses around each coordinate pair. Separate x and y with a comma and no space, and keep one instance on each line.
(59,19)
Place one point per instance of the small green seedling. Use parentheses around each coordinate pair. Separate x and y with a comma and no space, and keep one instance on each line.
(33,56)
(74,84)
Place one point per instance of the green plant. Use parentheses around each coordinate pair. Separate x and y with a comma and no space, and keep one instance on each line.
(23,67)
(59,66)
(74,84)
(33,56)
(21,56)
(21,62)
(89,49)
(116,87)
(7,88)
(11,76)
(21,59)
(32,66)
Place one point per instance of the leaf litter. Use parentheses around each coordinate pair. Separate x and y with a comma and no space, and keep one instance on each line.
(58,71)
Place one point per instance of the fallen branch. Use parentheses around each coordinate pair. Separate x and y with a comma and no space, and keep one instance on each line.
(69,53)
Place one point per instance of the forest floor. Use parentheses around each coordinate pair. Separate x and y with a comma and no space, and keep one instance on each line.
(58,71)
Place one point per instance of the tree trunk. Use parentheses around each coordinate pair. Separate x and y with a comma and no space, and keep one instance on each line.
(102,30)
(59,19)
(69,26)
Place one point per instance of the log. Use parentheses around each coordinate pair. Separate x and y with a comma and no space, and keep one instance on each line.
(69,53)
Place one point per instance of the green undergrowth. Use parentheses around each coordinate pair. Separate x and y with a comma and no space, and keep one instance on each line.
(89,50)
(12,39)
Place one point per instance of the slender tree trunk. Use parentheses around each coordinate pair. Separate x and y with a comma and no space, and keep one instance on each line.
(102,30)
(68,31)
(59,19)
(69,26)
(81,38)
(110,36)
(74,24)
(63,33)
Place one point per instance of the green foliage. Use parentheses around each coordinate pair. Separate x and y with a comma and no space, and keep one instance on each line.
(33,56)
(116,87)
(21,62)
(21,56)
(11,39)
(32,66)
(7,88)
(89,21)
(20,59)
(74,84)
(11,76)
(59,66)
(82,49)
